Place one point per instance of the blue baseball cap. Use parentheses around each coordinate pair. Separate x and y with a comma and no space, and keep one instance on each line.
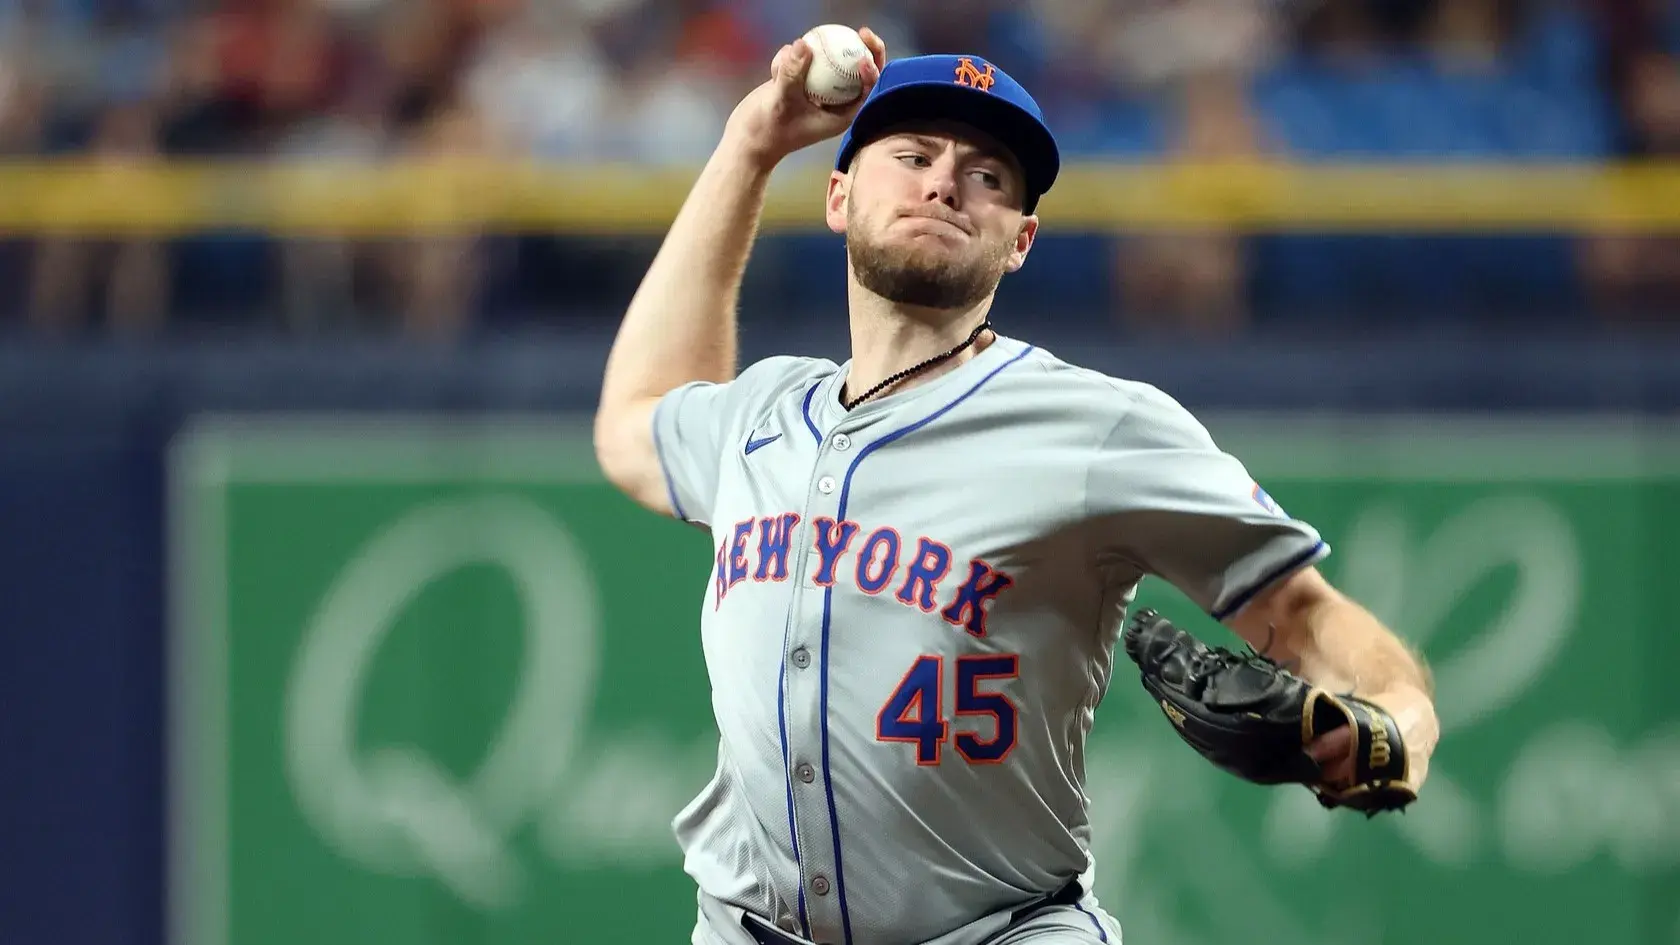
(967,89)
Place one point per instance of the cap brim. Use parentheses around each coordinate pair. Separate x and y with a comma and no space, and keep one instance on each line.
(1014,127)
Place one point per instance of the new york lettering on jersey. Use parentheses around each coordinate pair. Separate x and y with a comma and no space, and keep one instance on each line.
(757,549)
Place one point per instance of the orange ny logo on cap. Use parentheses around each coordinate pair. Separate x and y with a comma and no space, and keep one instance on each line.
(970,74)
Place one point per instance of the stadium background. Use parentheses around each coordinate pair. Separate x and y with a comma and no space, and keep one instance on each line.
(321,627)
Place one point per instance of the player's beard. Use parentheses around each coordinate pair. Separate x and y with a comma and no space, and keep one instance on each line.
(919,275)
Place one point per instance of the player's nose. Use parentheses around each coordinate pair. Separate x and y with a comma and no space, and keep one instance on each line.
(940,183)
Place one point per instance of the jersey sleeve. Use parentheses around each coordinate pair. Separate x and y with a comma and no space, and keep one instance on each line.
(1168,499)
(694,426)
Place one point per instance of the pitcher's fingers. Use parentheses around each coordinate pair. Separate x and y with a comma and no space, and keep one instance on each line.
(790,65)
(868,75)
(877,46)
(779,60)
(1334,754)
(1332,746)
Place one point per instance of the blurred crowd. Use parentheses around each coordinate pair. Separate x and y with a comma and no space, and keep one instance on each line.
(651,81)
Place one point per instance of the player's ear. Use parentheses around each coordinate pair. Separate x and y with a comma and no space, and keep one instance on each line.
(839,186)
(1023,242)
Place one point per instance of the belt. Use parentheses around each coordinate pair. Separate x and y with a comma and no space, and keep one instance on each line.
(764,933)
(1069,894)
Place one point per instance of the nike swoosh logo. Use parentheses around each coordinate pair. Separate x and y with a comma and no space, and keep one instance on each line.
(756,444)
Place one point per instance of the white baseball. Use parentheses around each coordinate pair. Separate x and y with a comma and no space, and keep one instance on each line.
(833,78)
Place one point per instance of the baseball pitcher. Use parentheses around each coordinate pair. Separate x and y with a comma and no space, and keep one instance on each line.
(924,558)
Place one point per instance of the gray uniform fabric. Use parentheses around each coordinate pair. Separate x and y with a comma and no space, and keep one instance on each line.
(911,618)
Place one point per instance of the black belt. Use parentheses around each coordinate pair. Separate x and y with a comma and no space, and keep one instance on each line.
(1066,896)
(765,933)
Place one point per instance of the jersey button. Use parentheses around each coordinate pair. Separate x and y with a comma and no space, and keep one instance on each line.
(806,773)
(801,658)
(842,441)
(819,885)
(825,485)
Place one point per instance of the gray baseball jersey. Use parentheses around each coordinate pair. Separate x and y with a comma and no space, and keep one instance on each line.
(912,617)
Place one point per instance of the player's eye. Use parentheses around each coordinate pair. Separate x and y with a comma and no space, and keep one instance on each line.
(914,160)
(988,178)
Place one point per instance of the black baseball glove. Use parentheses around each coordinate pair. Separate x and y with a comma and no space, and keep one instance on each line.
(1254,719)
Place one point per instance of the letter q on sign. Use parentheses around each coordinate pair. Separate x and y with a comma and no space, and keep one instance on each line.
(833,77)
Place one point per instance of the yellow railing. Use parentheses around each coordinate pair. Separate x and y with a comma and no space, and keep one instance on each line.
(407,198)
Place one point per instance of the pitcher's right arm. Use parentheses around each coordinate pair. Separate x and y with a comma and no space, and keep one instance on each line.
(680,324)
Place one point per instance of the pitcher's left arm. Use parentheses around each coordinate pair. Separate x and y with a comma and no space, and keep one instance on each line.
(1165,498)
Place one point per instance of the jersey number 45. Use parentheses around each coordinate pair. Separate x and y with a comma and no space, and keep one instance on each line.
(915,712)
